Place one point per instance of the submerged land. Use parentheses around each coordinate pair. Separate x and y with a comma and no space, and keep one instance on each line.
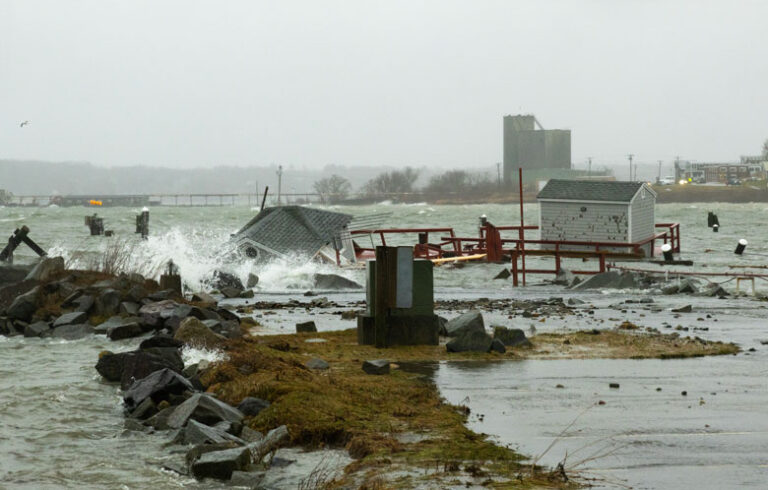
(396,427)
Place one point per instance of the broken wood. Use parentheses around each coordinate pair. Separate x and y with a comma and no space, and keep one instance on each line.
(271,441)
(19,235)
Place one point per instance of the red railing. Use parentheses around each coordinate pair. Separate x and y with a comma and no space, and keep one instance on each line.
(497,249)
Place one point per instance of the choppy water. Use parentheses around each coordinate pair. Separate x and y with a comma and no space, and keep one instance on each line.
(60,426)
(194,237)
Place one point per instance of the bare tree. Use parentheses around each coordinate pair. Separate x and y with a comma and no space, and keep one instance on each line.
(5,196)
(333,189)
(765,149)
(394,182)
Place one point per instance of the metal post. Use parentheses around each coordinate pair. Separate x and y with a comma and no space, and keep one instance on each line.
(279,182)
(264,199)
(384,282)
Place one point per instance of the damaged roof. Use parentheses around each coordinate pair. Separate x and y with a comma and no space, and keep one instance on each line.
(584,190)
(293,230)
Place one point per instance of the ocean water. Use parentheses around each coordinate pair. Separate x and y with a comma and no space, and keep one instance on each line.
(61,426)
(195,239)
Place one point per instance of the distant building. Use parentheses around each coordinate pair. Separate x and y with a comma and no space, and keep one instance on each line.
(724,172)
(584,211)
(530,148)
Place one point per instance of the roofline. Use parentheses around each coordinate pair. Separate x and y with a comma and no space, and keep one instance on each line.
(587,202)
(646,187)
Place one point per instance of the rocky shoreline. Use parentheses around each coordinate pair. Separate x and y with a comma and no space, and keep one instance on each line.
(310,389)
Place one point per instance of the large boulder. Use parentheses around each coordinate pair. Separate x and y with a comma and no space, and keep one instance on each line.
(334,281)
(108,302)
(126,330)
(161,341)
(227,328)
(511,337)
(37,329)
(70,318)
(157,386)
(231,292)
(24,306)
(470,341)
(193,332)
(127,367)
(221,464)
(129,308)
(154,314)
(252,406)
(195,433)
(113,321)
(12,274)
(205,409)
(253,280)
(71,332)
(84,303)
(46,269)
(470,321)
(204,299)
(223,280)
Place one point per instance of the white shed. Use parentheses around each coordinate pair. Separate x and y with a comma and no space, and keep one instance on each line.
(576,210)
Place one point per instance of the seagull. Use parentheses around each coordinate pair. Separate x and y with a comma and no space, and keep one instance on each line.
(24,123)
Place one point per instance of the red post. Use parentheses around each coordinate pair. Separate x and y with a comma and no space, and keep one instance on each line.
(522,222)
(557,258)
(514,268)
(602,262)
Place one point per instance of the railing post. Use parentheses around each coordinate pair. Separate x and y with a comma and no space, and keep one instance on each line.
(602,262)
(514,268)
(557,258)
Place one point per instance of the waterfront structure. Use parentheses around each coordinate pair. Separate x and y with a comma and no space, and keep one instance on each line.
(297,233)
(529,146)
(596,212)
(723,172)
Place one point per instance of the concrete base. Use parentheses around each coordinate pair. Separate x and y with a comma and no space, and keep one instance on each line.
(403,330)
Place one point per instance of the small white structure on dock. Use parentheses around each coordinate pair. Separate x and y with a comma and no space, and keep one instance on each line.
(589,211)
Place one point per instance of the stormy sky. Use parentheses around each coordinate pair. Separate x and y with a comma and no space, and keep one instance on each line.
(196,84)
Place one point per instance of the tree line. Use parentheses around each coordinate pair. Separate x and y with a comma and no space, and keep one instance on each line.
(335,189)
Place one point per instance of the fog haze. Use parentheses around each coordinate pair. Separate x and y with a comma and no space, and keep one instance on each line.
(200,84)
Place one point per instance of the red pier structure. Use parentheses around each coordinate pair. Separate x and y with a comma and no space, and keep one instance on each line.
(491,246)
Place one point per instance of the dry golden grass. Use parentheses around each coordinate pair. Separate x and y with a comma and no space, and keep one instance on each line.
(344,407)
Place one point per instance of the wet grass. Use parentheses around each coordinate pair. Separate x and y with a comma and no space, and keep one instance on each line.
(396,426)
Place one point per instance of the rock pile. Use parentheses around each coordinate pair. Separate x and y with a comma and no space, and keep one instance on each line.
(468,334)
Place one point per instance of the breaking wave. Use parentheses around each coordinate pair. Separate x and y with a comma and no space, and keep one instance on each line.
(198,254)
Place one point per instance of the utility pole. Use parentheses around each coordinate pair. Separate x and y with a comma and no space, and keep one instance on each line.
(630,156)
(658,180)
(589,167)
(498,173)
(279,182)
(677,169)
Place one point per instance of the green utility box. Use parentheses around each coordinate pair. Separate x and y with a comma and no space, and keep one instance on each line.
(410,318)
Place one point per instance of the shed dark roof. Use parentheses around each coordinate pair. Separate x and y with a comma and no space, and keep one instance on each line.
(583,190)
(293,230)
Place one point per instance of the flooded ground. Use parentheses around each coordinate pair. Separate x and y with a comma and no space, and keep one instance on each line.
(62,427)
(647,434)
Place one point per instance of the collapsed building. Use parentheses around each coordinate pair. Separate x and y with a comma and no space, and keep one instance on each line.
(297,233)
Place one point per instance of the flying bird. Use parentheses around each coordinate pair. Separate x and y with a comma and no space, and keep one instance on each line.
(24,123)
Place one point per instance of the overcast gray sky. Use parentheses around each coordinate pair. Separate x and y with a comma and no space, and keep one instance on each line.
(191,83)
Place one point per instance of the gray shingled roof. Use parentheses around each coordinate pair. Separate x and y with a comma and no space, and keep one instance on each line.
(583,190)
(293,230)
